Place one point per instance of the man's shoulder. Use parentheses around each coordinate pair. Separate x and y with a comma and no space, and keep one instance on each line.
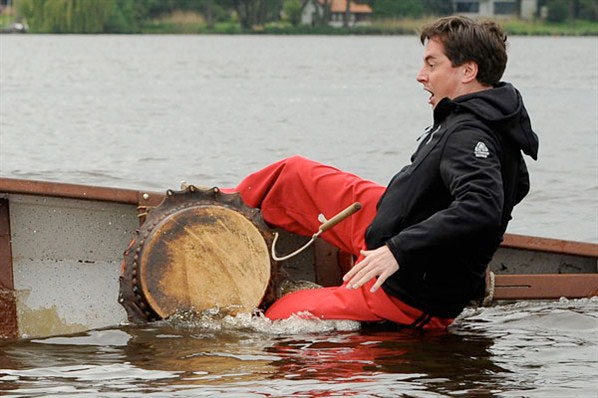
(463,126)
(469,135)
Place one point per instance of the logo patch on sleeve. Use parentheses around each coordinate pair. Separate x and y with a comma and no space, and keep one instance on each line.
(481,150)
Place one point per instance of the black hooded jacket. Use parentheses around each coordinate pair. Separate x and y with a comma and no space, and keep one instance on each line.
(444,215)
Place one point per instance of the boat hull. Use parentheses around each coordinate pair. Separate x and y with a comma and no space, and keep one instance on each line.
(61,249)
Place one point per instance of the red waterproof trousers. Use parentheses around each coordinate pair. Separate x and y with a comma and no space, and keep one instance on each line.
(291,194)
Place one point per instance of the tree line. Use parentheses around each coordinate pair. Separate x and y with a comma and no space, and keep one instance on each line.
(128,16)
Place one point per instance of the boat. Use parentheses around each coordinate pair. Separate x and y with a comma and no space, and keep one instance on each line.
(61,253)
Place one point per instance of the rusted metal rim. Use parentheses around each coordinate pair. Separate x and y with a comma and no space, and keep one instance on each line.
(8,307)
(134,286)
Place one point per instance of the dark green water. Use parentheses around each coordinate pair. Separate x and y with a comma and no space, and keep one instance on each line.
(540,349)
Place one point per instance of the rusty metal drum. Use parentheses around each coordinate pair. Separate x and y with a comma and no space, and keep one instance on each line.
(199,249)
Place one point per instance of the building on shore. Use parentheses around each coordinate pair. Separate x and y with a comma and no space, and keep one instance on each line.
(5,4)
(332,12)
(524,9)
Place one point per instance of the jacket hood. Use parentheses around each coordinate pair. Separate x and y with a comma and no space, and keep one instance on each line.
(502,109)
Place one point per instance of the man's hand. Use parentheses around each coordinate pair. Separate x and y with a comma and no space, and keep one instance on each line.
(379,262)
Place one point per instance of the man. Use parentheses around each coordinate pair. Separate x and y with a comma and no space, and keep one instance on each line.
(428,237)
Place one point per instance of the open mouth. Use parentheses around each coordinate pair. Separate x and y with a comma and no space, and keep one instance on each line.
(430,100)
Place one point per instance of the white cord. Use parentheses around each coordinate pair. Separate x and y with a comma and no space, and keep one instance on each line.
(293,254)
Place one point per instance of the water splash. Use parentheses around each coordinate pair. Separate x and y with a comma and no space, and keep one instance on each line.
(216,319)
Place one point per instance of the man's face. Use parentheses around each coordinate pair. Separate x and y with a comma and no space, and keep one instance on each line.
(437,74)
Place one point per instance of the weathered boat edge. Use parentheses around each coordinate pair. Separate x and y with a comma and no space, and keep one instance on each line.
(78,191)
(149,198)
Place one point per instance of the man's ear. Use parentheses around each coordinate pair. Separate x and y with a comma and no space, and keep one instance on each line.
(470,72)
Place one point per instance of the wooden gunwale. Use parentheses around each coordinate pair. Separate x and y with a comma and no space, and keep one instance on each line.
(77,191)
(560,246)
(147,198)
(545,286)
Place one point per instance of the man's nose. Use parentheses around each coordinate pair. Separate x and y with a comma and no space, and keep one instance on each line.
(421,76)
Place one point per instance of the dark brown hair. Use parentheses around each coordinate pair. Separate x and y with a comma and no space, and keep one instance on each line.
(464,40)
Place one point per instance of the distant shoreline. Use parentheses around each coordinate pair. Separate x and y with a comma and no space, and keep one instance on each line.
(514,27)
(389,27)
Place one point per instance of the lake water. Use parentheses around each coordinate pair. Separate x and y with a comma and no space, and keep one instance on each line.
(542,349)
(148,111)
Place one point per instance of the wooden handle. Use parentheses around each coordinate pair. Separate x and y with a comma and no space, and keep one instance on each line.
(340,216)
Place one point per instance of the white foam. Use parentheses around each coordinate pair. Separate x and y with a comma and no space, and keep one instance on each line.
(215,319)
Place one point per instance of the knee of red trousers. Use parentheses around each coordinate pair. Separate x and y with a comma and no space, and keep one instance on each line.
(256,186)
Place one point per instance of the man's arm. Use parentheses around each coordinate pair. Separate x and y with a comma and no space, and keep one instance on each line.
(470,169)
(472,174)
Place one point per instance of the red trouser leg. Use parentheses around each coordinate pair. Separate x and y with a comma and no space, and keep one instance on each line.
(353,304)
(291,193)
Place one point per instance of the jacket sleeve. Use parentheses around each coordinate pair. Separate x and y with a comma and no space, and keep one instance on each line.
(470,170)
